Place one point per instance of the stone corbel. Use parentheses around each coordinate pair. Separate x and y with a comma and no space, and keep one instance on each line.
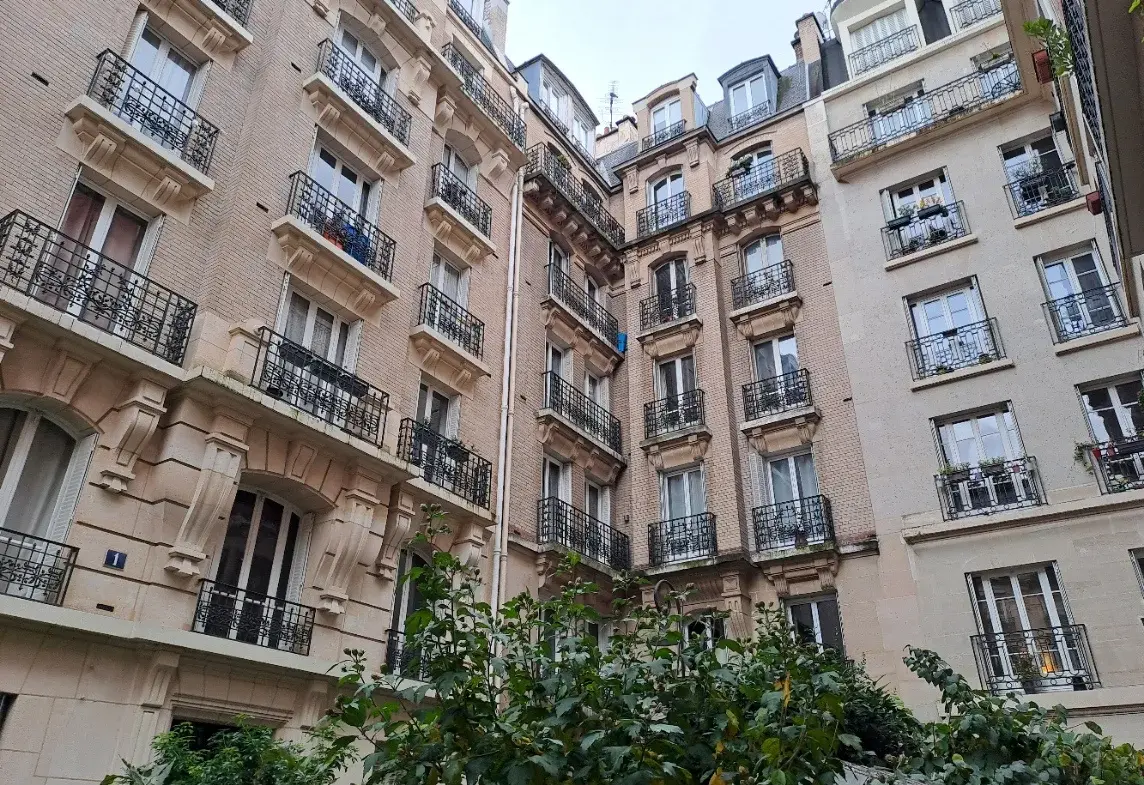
(103,149)
(632,182)
(377,24)
(498,163)
(64,374)
(314,704)
(138,418)
(425,25)
(737,604)
(446,109)
(8,327)
(153,693)
(469,543)
(164,189)
(693,153)
(419,69)
(398,528)
(242,351)
(699,243)
(213,39)
(347,529)
(321,7)
(222,463)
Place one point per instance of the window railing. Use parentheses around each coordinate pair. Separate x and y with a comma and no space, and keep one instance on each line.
(1073,14)
(70,277)
(777,394)
(406,9)
(229,612)
(977,343)
(1086,313)
(682,539)
(542,161)
(1050,659)
(578,301)
(797,523)
(239,10)
(930,226)
(445,462)
(404,659)
(667,306)
(34,568)
(762,285)
(763,178)
(292,373)
(882,51)
(965,491)
(665,134)
(1041,190)
(340,225)
(140,102)
(559,522)
(673,413)
(554,117)
(584,413)
(1120,464)
(971,12)
(946,103)
(483,95)
(749,117)
(447,317)
(466,18)
(662,214)
(363,90)
(451,190)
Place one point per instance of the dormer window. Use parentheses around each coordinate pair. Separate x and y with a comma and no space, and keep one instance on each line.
(748,95)
(666,115)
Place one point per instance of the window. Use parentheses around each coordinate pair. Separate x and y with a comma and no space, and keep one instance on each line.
(437,409)
(1026,159)
(816,622)
(1080,298)
(792,487)
(916,196)
(585,134)
(557,102)
(981,437)
(558,257)
(555,639)
(557,480)
(682,495)
(598,502)
(763,272)
(41,472)
(596,388)
(105,225)
(675,377)
(670,276)
(317,329)
(360,54)
(557,361)
(408,599)
(672,297)
(952,331)
(462,170)
(748,94)
(776,357)
(591,192)
(201,732)
(665,188)
(705,629)
(666,115)
(679,405)
(947,311)
(900,112)
(984,467)
(753,173)
(1114,410)
(474,8)
(158,60)
(341,180)
(450,279)
(592,289)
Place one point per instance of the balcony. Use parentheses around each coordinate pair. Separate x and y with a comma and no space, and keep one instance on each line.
(665,134)
(682,539)
(466,18)
(889,48)
(779,412)
(978,343)
(559,523)
(554,118)
(1090,312)
(33,568)
(240,615)
(765,302)
(1119,464)
(334,250)
(446,462)
(459,216)
(575,428)
(292,373)
(218,29)
(1050,659)
(786,177)
(777,394)
(579,320)
(668,322)
(748,117)
(999,486)
(929,227)
(663,215)
(358,113)
(499,113)
(82,283)
(132,131)
(557,192)
(943,105)
(449,339)
(1030,193)
(584,413)
(675,430)
(403,659)
(793,525)
(971,12)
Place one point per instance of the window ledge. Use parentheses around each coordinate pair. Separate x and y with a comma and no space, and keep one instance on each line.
(1052,212)
(926,253)
(1131,330)
(961,373)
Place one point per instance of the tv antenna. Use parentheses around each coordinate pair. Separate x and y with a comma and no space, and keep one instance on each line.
(610,102)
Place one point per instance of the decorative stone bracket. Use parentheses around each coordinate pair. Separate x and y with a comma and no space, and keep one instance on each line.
(398,529)
(672,451)
(468,543)
(346,530)
(818,571)
(139,416)
(764,319)
(8,326)
(671,339)
(784,431)
(737,603)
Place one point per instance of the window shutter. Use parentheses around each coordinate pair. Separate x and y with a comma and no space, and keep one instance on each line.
(463,289)
(137,27)
(72,484)
(453,419)
(198,83)
(757,491)
(353,346)
(300,560)
(606,504)
(566,482)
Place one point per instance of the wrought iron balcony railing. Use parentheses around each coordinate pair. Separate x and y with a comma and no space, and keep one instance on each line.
(965,491)
(559,522)
(577,300)
(447,317)
(959,347)
(682,539)
(762,285)
(761,179)
(70,277)
(584,413)
(406,9)
(1120,464)
(665,134)
(793,524)
(452,191)
(143,104)
(466,18)
(930,226)
(229,612)
(341,225)
(674,413)
(943,104)
(445,462)
(1086,313)
(404,659)
(239,10)
(554,118)
(1031,193)
(889,48)
(971,12)
(363,90)
(663,214)
(292,373)
(34,568)
(1050,659)
(749,117)
(1073,13)
(667,306)
(483,95)
(542,161)
(777,394)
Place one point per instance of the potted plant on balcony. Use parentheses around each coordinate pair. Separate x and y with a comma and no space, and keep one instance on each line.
(903,219)
(985,357)
(941,368)
(954,472)
(739,167)
(932,206)
(991,467)
(938,234)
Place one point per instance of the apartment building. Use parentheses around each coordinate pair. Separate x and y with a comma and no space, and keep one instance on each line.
(994,353)
(255,262)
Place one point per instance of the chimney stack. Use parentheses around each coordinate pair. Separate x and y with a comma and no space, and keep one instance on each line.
(808,40)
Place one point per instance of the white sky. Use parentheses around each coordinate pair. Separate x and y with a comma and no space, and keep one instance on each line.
(643,43)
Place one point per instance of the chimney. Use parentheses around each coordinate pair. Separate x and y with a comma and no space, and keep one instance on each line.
(796,44)
(621,133)
(809,38)
(496,22)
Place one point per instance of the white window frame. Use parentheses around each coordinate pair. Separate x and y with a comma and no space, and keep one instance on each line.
(816,620)
(669,181)
(439,268)
(452,407)
(368,191)
(563,471)
(102,226)
(459,167)
(751,99)
(662,113)
(198,78)
(975,309)
(379,73)
(1120,408)
(559,257)
(353,328)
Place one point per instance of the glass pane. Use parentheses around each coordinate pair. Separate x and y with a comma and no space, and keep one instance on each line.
(1129,394)
(324,167)
(959,309)
(668,379)
(124,237)
(687,368)
(593,501)
(753,258)
(765,360)
(1005,604)
(178,72)
(1102,416)
(782,489)
(1057,279)
(296,315)
(804,471)
(935,321)
(265,545)
(1087,272)
(34,502)
(663,279)
(966,442)
(802,619)
(323,333)
(82,214)
(146,51)
(738,99)
(992,443)
(1034,599)
(696,498)
(676,496)
(788,354)
(829,625)
(438,412)
(11,420)
(288,556)
(234,543)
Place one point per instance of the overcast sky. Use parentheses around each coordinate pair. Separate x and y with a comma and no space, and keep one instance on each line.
(643,43)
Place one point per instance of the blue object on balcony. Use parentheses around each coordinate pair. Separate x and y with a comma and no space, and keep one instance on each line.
(622,342)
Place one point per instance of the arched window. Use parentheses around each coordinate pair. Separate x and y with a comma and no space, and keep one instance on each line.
(40,474)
